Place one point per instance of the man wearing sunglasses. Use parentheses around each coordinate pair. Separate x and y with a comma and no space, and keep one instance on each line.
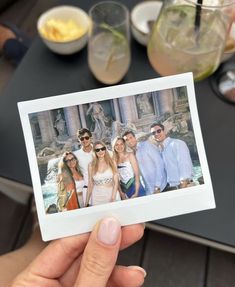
(84,154)
(150,163)
(176,157)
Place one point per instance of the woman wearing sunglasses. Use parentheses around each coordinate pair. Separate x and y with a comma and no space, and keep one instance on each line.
(103,176)
(70,183)
(128,169)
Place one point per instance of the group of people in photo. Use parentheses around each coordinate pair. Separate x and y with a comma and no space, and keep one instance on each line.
(95,175)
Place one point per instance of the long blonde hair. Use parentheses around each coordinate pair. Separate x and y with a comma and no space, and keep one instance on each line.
(115,153)
(107,158)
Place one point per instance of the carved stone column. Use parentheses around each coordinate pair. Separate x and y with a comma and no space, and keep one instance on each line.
(46,126)
(128,109)
(166,100)
(116,110)
(72,119)
(82,116)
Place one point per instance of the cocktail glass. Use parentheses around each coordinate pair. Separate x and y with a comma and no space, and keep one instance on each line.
(109,42)
(190,36)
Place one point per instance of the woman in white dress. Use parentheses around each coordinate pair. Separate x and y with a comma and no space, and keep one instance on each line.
(103,177)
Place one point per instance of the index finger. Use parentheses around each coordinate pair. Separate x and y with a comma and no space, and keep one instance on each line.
(58,256)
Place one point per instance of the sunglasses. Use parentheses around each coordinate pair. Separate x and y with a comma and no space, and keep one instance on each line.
(71,159)
(99,149)
(158,131)
(84,138)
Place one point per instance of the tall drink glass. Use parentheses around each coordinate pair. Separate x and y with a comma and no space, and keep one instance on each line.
(190,36)
(109,42)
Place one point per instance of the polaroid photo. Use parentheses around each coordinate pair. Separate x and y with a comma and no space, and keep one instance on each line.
(133,151)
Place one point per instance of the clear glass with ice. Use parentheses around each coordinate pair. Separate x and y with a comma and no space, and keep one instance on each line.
(190,36)
(108,45)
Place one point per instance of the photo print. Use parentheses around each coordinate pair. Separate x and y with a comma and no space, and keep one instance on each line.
(133,151)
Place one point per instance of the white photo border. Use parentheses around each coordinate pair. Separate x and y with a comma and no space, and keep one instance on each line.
(133,211)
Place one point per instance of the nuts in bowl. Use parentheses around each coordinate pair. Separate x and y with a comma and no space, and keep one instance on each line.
(64,29)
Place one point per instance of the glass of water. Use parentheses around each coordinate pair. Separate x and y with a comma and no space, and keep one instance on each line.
(109,42)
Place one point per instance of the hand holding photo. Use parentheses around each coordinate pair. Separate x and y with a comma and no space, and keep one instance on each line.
(132,151)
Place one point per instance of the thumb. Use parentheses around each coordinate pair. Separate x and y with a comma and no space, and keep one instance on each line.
(100,255)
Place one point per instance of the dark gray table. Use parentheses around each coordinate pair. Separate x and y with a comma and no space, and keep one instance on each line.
(43,74)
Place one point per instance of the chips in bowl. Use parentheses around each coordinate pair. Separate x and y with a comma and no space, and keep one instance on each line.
(64,29)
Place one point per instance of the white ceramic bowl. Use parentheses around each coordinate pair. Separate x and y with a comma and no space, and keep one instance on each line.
(141,16)
(65,13)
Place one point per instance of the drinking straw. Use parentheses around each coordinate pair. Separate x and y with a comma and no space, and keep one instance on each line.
(197,22)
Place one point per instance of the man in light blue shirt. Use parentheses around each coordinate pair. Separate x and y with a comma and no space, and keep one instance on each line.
(150,163)
(176,157)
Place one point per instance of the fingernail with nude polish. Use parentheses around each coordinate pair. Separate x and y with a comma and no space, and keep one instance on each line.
(109,230)
(138,268)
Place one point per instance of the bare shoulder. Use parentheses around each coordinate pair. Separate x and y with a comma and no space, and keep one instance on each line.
(130,155)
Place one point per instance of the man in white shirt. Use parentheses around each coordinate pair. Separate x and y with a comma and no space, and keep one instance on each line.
(176,157)
(84,154)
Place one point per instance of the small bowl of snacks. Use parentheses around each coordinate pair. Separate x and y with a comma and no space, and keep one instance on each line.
(64,29)
(143,16)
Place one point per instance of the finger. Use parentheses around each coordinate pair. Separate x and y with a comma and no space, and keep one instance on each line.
(69,278)
(131,276)
(60,254)
(131,234)
(57,257)
(100,254)
(121,276)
